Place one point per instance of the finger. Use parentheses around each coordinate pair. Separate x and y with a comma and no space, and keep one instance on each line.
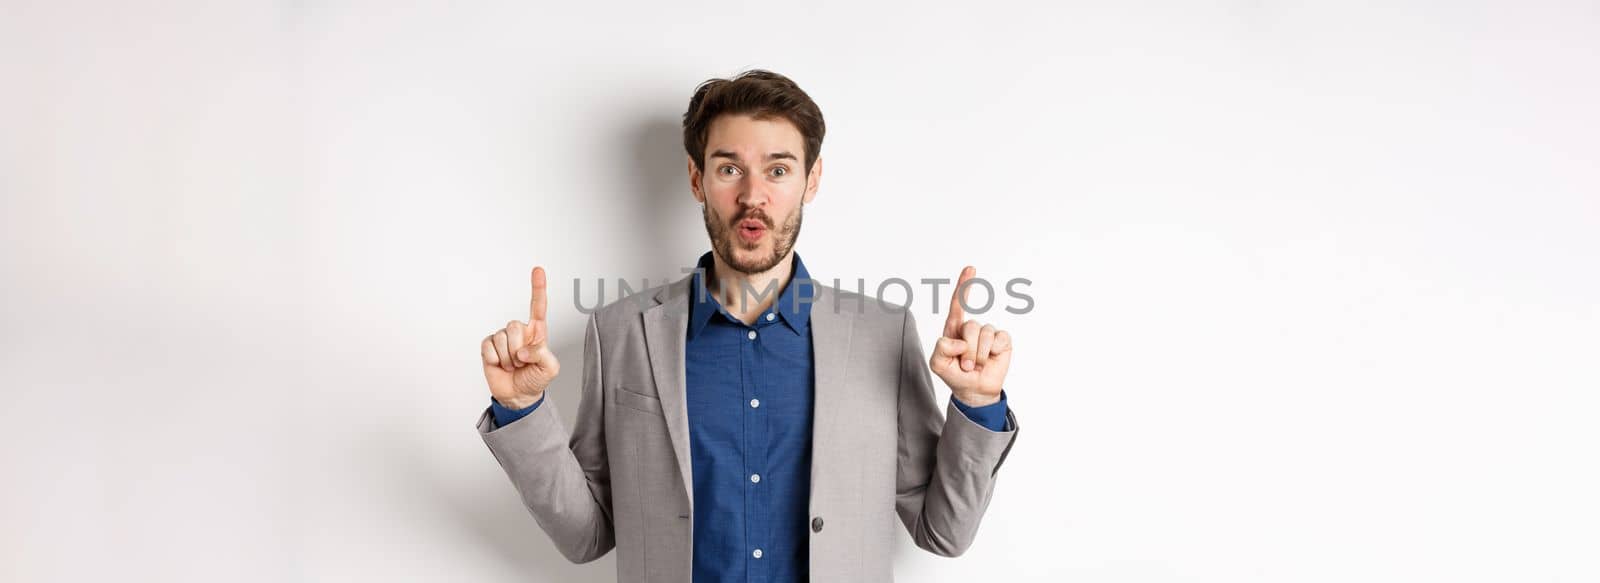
(502,348)
(949,347)
(542,356)
(543,362)
(536,349)
(536,334)
(536,303)
(490,357)
(969,333)
(1002,343)
(946,354)
(514,341)
(952,321)
(532,343)
(1000,356)
(985,342)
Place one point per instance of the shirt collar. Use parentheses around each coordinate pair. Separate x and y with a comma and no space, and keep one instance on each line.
(793,305)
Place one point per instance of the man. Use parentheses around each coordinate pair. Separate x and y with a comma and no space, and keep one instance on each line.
(727,433)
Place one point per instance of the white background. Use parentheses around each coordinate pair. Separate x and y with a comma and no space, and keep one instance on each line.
(1315,282)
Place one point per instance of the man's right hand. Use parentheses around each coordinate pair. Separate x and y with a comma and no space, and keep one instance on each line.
(517,360)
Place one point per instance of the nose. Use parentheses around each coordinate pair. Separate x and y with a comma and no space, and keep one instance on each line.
(753,192)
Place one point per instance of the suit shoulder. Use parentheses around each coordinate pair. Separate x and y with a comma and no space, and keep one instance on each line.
(625,308)
(861,307)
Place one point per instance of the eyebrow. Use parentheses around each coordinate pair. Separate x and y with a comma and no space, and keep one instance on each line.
(773,156)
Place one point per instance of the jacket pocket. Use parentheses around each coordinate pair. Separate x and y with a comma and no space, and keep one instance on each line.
(637,401)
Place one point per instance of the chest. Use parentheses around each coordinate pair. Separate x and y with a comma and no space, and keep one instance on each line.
(745,384)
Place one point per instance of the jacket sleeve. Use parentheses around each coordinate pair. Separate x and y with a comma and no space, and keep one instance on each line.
(564,481)
(947,464)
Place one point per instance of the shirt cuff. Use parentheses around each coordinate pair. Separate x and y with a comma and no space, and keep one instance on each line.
(504,415)
(991,416)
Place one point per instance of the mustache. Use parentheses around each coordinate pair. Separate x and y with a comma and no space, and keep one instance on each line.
(752,214)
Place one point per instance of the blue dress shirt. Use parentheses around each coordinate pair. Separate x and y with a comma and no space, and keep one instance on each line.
(749,391)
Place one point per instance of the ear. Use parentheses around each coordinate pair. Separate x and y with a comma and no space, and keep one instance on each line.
(813,179)
(694,180)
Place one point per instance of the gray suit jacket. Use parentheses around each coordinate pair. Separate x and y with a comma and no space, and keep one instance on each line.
(880,447)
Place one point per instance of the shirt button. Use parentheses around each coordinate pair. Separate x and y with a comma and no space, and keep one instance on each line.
(756,553)
(755,403)
(751,335)
(770,316)
(755,478)
(816,524)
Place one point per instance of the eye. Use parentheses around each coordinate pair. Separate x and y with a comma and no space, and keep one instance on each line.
(728,170)
(780,171)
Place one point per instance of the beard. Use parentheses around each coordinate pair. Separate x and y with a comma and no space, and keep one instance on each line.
(725,238)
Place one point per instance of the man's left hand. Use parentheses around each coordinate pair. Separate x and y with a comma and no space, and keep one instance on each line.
(971,357)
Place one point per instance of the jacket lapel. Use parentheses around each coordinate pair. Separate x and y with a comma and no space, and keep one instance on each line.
(665,326)
(830,353)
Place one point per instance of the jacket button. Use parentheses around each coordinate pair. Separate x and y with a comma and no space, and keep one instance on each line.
(816,524)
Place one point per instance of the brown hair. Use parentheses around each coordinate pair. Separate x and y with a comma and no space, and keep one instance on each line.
(759,93)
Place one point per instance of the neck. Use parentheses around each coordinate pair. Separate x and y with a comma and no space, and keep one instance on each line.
(747,295)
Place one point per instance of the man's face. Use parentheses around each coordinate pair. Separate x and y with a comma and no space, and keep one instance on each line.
(754,185)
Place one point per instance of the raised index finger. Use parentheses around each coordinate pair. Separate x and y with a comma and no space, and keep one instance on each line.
(536,304)
(952,323)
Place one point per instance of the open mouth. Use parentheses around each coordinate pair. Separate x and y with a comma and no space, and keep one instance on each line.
(751,230)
